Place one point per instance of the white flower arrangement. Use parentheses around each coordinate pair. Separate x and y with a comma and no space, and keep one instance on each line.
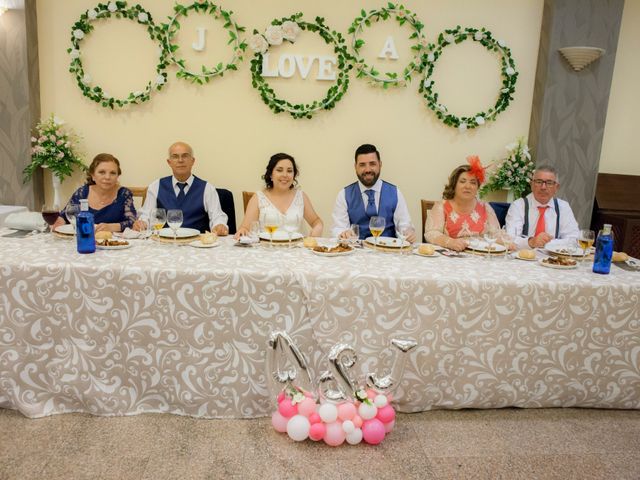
(274,35)
(53,147)
(513,172)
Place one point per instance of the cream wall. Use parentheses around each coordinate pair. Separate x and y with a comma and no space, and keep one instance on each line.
(619,151)
(234,133)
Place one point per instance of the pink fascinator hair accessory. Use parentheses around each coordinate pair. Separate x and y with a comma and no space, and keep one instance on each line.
(477,170)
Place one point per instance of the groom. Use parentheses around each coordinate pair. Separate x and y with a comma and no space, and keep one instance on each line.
(369,197)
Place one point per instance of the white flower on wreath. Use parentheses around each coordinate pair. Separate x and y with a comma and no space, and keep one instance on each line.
(78,34)
(92,14)
(427,83)
(86,79)
(449,38)
(106,94)
(480,120)
(462,127)
(501,43)
(137,93)
(290,30)
(431,57)
(509,71)
(160,79)
(112,7)
(74,53)
(401,13)
(478,36)
(274,35)
(143,17)
(442,108)
(258,43)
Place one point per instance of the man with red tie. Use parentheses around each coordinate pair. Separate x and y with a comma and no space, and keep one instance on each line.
(540,217)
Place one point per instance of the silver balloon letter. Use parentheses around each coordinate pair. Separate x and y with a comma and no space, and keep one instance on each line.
(281,348)
(390,382)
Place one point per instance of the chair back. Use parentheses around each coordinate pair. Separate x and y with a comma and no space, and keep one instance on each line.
(228,206)
(501,209)
(139,192)
(425,205)
(246,196)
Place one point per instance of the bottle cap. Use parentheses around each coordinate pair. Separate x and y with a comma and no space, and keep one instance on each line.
(84,205)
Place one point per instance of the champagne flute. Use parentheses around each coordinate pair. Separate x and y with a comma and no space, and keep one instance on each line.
(157,219)
(354,234)
(50,214)
(376,226)
(490,235)
(291,226)
(71,211)
(585,240)
(174,220)
(507,240)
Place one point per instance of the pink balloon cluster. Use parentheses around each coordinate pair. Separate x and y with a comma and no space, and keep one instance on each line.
(353,421)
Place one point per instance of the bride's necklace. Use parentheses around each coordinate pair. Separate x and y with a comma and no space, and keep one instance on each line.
(103,200)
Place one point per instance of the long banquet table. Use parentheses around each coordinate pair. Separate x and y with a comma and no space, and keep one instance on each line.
(162,328)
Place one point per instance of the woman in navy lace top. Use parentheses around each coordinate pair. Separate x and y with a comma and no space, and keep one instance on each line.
(111,205)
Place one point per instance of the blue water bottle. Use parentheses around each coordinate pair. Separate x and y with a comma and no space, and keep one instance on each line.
(85,235)
(604,251)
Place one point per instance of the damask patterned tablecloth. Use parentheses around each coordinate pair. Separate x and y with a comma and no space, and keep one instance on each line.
(161,328)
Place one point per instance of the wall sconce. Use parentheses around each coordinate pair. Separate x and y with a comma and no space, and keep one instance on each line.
(579,57)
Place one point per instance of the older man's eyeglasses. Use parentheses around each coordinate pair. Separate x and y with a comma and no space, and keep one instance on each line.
(548,183)
(184,156)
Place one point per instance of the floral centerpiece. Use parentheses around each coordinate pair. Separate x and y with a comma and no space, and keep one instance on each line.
(54,148)
(512,173)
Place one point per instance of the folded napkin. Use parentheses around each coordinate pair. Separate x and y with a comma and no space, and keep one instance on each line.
(128,233)
(25,221)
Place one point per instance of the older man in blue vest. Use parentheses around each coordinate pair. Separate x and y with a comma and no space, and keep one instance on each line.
(540,217)
(197,198)
(369,197)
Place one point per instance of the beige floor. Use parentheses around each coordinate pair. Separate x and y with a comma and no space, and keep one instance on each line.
(507,443)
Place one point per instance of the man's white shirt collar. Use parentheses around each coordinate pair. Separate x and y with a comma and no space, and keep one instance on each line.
(537,204)
(175,181)
(376,186)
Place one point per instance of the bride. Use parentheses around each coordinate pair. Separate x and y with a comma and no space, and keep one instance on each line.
(280,202)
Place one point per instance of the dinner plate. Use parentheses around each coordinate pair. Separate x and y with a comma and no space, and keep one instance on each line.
(558,267)
(281,236)
(482,247)
(388,242)
(181,232)
(66,229)
(199,244)
(333,254)
(567,251)
(113,247)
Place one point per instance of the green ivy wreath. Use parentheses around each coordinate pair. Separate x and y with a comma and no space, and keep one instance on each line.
(260,45)
(402,15)
(509,76)
(171,29)
(84,26)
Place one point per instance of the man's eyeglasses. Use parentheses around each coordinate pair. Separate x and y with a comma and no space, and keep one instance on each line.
(184,156)
(548,183)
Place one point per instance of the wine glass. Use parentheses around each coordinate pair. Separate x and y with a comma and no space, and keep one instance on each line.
(403,232)
(507,240)
(71,211)
(291,226)
(50,214)
(174,220)
(254,232)
(157,219)
(354,234)
(585,240)
(271,224)
(376,226)
(490,235)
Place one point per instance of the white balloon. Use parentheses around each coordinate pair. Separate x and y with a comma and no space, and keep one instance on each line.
(348,426)
(380,401)
(298,428)
(367,412)
(354,437)
(328,412)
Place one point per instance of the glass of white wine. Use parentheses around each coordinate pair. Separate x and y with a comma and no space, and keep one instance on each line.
(585,240)
(158,218)
(376,226)
(174,220)
(271,224)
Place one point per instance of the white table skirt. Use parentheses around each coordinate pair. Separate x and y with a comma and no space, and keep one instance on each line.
(157,328)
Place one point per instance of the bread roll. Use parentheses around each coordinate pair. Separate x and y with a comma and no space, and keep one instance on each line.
(619,257)
(103,235)
(310,242)
(527,254)
(208,238)
(426,249)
